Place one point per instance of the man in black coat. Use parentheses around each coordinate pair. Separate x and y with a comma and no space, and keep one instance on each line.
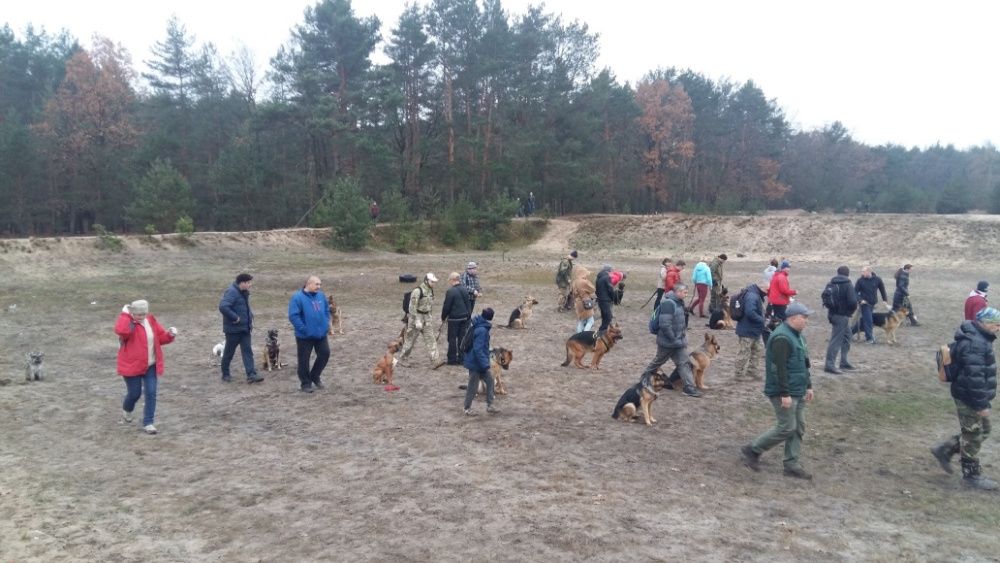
(237,323)
(868,287)
(845,302)
(605,297)
(456,311)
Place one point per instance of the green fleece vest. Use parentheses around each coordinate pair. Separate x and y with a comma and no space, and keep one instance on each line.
(798,373)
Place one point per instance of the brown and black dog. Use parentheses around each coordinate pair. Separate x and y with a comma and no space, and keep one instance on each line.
(638,399)
(272,351)
(500,359)
(722,319)
(699,360)
(599,343)
(519,317)
(889,322)
(335,315)
(382,374)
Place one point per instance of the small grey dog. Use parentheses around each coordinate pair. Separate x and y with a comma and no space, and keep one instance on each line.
(33,369)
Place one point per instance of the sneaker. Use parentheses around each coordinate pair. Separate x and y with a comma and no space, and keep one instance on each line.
(832,370)
(846,365)
(692,392)
(306,389)
(798,473)
(255,379)
(468,412)
(750,458)
(318,385)
(872,341)
(149,429)
(126,417)
(492,410)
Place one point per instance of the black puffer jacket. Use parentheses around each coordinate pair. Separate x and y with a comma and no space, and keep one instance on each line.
(605,291)
(845,298)
(976,384)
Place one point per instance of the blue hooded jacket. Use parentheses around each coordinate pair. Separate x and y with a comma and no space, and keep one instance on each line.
(478,359)
(309,313)
(702,274)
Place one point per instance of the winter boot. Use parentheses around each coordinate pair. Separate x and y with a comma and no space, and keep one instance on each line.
(943,452)
(972,477)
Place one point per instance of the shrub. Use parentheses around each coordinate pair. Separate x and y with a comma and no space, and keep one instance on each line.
(184,226)
(161,197)
(345,210)
(107,240)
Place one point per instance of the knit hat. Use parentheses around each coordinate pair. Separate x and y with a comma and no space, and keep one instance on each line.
(785,264)
(723,257)
(606,268)
(471,266)
(988,315)
(488,313)
(799,309)
(431,277)
(573,254)
(139,307)
(983,286)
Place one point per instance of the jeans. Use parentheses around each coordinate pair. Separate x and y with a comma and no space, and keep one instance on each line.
(133,389)
(470,392)
(840,341)
(456,328)
(241,339)
(585,324)
(680,359)
(606,315)
(305,346)
(866,321)
(789,427)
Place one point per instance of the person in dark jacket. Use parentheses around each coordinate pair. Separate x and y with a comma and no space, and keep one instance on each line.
(478,362)
(671,341)
(901,297)
(605,292)
(456,311)
(973,389)
(845,302)
(868,287)
(749,330)
(977,300)
(237,323)
(788,386)
(309,313)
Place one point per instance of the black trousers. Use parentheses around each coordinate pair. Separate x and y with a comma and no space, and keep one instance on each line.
(456,328)
(606,315)
(305,346)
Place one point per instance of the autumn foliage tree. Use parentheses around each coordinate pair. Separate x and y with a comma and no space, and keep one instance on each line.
(666,124)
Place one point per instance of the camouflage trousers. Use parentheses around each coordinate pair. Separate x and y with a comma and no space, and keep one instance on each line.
(748,357)
(412,333)
(715,302)
(975,429)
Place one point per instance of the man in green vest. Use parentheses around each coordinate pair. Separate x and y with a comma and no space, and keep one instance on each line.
(788,387)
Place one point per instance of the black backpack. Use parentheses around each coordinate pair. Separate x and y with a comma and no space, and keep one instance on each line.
(465,344)
(736,308)
(406,300)
(829,296)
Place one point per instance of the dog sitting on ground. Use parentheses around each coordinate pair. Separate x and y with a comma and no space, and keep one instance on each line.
(272,351)
(599,343)
(336,318)
(500,359)
(217,351)
(382,374)
(519,316)
(33,368)
(722,319)
(699,360)
(638,399)
(889,322)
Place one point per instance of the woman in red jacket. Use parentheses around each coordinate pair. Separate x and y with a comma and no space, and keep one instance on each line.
(780,293)
(140,358)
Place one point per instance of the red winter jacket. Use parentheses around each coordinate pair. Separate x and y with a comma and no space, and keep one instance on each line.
(779,292)
(133,356)
(976,302)
(673,276)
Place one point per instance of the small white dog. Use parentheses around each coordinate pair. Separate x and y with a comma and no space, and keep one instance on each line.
(217,353)
(33,369)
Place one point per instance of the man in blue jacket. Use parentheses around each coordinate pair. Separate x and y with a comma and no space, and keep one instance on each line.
(749,330)
(237,323)
(478,362)
(309,313)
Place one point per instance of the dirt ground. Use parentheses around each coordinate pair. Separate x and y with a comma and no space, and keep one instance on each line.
(355,473)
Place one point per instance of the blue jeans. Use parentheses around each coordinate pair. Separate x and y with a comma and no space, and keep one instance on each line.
(133,389)
(241,339)
(866,321)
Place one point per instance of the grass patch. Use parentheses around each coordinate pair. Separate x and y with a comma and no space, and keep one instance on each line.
(899,409)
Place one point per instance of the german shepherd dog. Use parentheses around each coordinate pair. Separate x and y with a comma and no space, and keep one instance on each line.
(699,360)
(272,351)
(638,399)
(33,368)
(500,359)
(382,373)
(599,343)
(889,322)
(335,315)
(722,319)
(519,316)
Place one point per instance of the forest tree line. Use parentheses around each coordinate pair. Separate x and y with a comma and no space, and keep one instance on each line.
(473,107)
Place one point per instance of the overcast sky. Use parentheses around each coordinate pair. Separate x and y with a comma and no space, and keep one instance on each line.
(914,73)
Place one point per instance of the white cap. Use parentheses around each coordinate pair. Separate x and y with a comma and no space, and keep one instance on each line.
(431,277)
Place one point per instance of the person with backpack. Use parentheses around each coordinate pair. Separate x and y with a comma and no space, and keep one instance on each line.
(901,297)
(973,387)
(701,276)
(418,320)
(977,300)
(237,324)
(715,268)
(841,301)
(667,323)
(868,287)
(564,277)
(788,386)
(477,360)
(780,293)
(749,329)
(456,311)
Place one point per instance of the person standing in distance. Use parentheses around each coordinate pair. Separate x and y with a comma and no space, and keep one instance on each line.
(868,287)
(309,313)
(237,324)
(478,363)
(977,300)
(456,311)
(844,303)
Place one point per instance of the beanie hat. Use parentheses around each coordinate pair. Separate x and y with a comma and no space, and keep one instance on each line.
(988,315)
(983,286)
(573,254)
(723,256)
(606,268)
(488,313)
(139,306)
(785,264)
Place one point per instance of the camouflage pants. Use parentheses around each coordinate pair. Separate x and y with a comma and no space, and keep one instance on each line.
(412,333)
(975,429)
(748,357)
(715,303)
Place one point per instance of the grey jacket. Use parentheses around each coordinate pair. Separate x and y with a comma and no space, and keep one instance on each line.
(671,333)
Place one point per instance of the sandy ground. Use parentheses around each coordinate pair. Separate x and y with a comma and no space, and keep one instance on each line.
(264,473)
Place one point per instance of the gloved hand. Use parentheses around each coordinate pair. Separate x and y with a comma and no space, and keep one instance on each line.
(125,309)
(418,324)
(172,330)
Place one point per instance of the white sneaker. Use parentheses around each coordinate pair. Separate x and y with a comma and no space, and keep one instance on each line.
(126,417)
(149,429)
